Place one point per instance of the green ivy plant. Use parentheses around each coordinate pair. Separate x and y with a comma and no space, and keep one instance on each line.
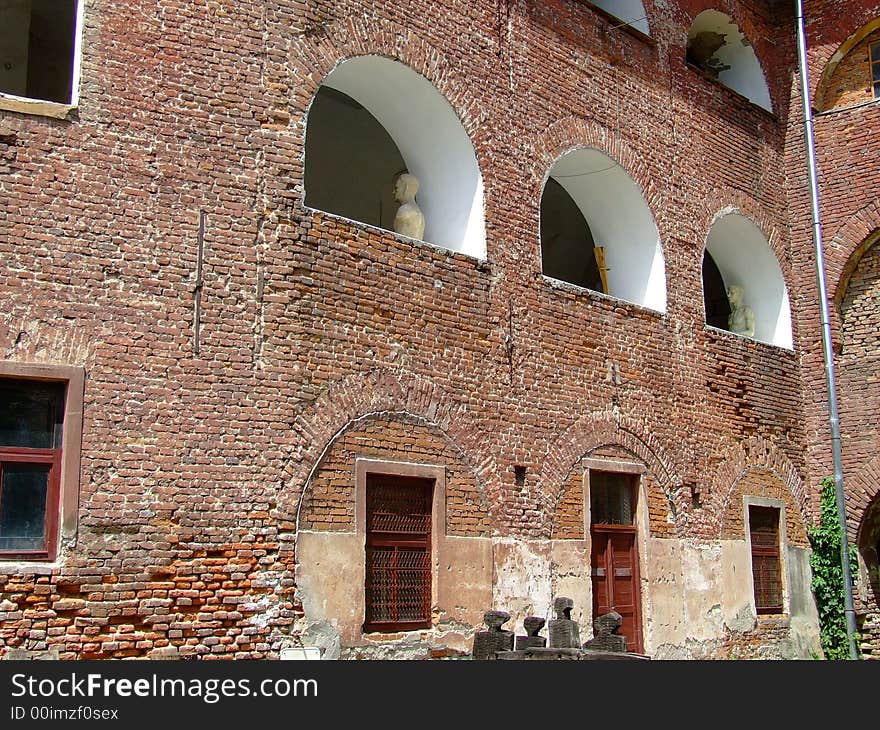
(828,575)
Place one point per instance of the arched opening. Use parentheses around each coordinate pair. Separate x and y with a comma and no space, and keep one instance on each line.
(869,545)
(630,11)
(852,74)
(718,48)
(598,232)
(740,254)
(373,118)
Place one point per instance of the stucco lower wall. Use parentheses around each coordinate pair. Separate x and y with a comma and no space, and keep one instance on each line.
(330,580)
(699,604)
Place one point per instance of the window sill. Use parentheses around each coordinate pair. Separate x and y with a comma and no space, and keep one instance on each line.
(745,338)
(480,263)
(619,23)
(733,92)
(13,567)
(36,107)
(584,291)
(847,108)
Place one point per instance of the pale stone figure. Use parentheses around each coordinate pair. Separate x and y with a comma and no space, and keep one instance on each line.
(409,219)
(742,318)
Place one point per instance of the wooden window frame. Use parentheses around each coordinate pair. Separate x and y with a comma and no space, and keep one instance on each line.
(778,552)
(366,468)
(874,60)
(62,498)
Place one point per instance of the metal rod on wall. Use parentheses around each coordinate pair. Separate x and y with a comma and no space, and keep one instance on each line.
(197,290)
(826,332)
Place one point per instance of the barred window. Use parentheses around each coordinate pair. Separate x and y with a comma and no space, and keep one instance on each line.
(766,569)
(398,553)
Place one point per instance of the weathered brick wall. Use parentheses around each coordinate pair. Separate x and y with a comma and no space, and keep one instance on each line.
(851,81)
(193,464)
(850,213)
(762,483)
(330,501)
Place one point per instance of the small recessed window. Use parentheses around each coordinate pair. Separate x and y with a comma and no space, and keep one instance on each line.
(38,49)
(875,68)
(766,568)
(398,553)
(31,417)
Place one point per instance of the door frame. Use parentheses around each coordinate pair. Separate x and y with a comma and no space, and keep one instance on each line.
(636,471)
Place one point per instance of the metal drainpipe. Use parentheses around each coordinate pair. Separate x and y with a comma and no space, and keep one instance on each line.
(826,331)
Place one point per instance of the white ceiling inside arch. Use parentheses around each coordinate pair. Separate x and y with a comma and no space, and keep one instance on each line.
(745,74)
(621,221)
(631,11)
(432,142)
(744,257)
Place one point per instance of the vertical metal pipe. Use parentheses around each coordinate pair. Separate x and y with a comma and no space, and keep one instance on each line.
(826,330)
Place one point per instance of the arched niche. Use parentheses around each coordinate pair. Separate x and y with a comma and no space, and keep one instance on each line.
(743,257)
(718,48)
(852,74)
(388,113)
(631,11)
(589,201)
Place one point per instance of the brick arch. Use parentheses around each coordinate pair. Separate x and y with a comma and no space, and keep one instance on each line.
(736,463)
(862,487)
(571,133)
(593,431)
(844,250)
(722,201)
(828,54)
(312,60)
(848,244)
(367,394)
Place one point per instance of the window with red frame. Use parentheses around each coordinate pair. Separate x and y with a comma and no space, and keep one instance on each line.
(398,553)
(31,417)
(766,568)
(875,68)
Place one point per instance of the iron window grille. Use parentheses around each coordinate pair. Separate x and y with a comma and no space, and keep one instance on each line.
(766,569)
(398,553)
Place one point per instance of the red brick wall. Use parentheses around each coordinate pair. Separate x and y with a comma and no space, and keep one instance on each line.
(193,464)
(330,501)
(845,145)
(851,81)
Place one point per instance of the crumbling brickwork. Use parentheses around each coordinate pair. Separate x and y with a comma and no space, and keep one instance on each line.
(200,445)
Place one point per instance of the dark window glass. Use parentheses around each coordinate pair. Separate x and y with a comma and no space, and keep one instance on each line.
(611,498)
(23,493)
(39,45)
(31,414)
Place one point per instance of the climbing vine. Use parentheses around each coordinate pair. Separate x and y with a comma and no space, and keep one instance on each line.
(828,575)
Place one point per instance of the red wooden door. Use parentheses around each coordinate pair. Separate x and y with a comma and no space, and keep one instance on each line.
(614,556)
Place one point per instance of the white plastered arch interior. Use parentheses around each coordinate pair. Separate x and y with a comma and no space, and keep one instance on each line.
(744,257)
(630,11)
(744,74)
(432,141)
(620,221)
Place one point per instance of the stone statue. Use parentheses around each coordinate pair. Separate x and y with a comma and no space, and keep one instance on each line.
(564,633)
(488,643)
(742,318)
(409,219)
